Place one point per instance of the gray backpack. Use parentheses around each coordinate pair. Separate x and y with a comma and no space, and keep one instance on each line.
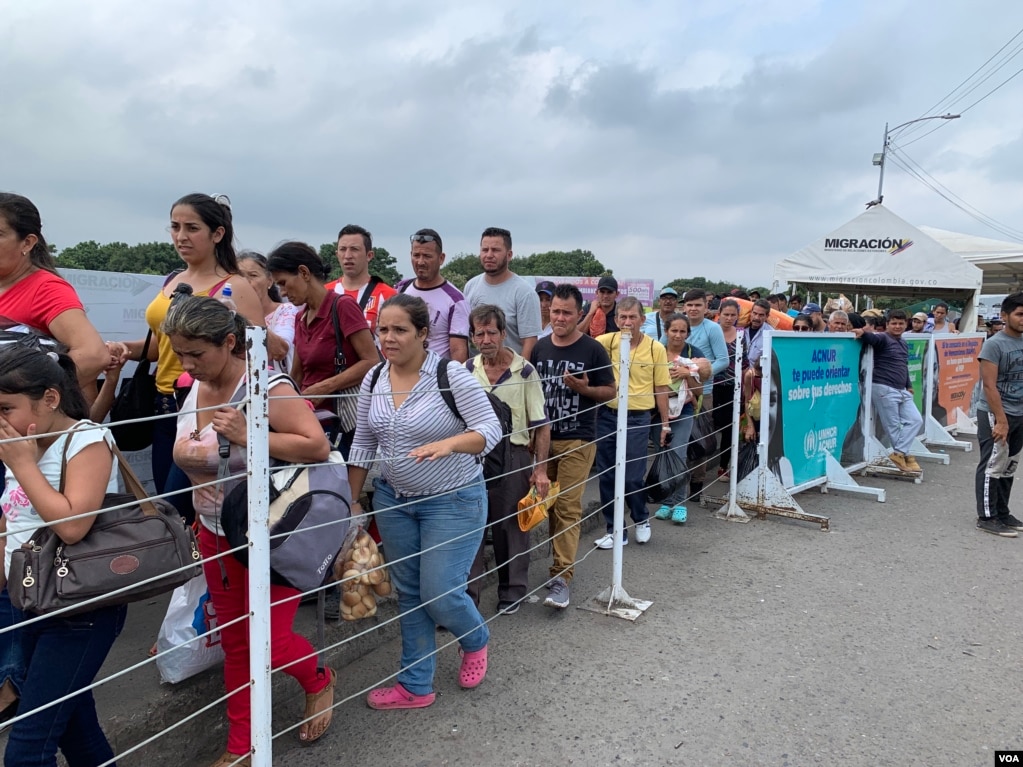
(310,515)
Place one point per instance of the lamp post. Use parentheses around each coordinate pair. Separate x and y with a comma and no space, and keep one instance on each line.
(879,157)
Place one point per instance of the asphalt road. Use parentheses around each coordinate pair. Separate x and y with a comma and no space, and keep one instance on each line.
(893,639)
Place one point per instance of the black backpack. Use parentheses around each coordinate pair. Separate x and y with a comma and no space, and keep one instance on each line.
(496,461)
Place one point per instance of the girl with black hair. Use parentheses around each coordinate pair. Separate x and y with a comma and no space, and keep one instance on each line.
(279,315)
(40,398)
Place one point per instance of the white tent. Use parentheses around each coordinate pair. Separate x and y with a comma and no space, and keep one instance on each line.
(878,253)
(1001,262)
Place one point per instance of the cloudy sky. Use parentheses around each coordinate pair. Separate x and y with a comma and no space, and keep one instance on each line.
(672,138)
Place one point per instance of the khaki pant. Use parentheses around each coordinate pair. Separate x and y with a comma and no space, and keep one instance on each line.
(569,464)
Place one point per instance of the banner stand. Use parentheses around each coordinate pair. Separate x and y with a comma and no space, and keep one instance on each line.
(964,425)
(839,478)
(921,451)
(763,493)
(936,434)
(880,465)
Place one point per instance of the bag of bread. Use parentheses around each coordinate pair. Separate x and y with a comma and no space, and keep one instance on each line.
(363,575)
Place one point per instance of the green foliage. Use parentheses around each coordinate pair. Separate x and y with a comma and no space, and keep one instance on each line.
(460,269)
(144,258)
(383,265)
(682,284)
(559,263)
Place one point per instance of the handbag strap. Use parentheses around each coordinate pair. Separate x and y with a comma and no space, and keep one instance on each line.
(144,357)
(132,484)
(340,363)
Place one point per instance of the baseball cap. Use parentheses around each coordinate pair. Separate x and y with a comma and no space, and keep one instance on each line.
(811,308)
(607,282)
(545,286)
(920,316)
(668,291)
(995,319)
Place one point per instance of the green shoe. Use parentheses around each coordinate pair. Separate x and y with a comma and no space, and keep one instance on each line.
(678,515)
(663,513)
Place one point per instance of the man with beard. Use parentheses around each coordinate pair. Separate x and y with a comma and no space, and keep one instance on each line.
(499,286)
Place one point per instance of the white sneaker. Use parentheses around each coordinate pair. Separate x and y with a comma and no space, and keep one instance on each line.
(608,542)
(643,532)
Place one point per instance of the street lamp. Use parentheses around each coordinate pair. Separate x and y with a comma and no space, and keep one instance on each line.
(879,157)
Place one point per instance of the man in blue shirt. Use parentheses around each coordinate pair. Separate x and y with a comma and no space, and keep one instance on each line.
(656,323)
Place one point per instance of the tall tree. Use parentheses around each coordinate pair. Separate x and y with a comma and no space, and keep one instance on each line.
(143,258)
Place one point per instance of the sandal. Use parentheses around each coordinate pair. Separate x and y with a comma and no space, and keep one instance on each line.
(227,759)
(386,698)
(319,711)
(474,668)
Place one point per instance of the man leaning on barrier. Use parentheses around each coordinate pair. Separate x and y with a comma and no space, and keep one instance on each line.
(649,383)
(576,374)
(892,390)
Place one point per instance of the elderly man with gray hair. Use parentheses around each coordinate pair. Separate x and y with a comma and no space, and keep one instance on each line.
(838,322)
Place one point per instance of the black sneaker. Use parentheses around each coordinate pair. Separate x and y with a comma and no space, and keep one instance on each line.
(996,527)
(508,608)
(1010,521)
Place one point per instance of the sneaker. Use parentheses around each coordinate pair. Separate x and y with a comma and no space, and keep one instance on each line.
(899,460)
(508,608)
(912,464)
(996,527)
(679,515)
(607,542)
(663,513)
(558,598)
(332,604)
(1010,521)
(643,532)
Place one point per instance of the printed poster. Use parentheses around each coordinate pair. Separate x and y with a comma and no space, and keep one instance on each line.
(958,372)
(814,403)
(917,360)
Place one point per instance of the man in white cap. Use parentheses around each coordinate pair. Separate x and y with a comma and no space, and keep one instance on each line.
(656,323)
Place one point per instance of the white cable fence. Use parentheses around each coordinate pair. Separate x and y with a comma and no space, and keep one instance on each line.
(139,745)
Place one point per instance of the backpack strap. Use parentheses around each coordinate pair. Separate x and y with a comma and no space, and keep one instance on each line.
(368,292)
(375,376)
(171,276)
(444,384)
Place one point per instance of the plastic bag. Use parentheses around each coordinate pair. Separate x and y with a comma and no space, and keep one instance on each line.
(748,459)
(533,510)
(189,614)
(363,574)
(665,476)
(703,440)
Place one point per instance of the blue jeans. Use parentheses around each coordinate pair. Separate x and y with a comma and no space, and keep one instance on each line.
(635,463)
(64,655)
(681,429)
(12,650)
(431,582)
(899,416)
(166,475)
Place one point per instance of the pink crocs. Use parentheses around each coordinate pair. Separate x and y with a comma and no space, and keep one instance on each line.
(386,698)
(474,668)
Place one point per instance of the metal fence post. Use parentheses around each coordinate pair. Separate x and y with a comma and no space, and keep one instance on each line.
(258,455)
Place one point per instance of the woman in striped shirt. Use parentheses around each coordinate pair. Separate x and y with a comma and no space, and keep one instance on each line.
(430,502)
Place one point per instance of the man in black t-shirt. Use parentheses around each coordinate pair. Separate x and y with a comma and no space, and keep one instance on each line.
(576,374)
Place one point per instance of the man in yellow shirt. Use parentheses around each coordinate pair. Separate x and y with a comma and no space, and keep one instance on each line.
(648,388)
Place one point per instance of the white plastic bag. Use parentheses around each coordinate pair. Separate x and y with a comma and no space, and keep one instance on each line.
(189,614)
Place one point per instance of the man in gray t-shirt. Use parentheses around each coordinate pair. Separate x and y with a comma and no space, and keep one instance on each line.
(499,286)
(1000,421)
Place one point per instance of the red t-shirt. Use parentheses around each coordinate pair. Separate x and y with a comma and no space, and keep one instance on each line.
(380,293)
(315,343)
(37,300)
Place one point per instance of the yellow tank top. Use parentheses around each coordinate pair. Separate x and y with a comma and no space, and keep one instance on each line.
(168,367)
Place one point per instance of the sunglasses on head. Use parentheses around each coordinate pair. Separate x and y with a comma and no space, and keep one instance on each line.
(422,238)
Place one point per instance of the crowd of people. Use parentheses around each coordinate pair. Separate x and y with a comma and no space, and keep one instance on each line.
(413,383)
